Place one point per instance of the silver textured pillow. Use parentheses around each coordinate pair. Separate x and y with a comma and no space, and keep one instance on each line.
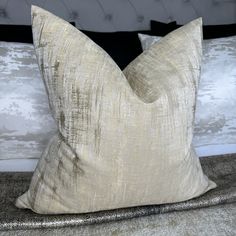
(26,124)
(215,118)
(124,138)
(147,40)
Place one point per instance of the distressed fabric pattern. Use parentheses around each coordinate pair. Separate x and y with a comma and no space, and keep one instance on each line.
(124,139)
(26,124)
(215,119)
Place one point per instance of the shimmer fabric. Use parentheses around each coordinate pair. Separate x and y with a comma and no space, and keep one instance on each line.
(215,118)
(124,138)
(26,124)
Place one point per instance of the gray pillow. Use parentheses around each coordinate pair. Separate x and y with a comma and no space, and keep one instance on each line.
(215,118)
(26,123)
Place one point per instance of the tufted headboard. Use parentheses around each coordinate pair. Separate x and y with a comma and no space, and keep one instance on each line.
(122,15)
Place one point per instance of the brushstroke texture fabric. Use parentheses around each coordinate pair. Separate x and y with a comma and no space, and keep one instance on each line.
(215,119)
(124,138)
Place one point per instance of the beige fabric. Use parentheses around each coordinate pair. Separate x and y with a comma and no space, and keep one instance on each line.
(124,138)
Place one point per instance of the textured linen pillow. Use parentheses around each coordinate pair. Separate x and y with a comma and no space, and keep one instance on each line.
(124,138)
(215,118)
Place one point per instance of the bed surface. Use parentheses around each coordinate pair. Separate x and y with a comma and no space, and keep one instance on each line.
(221,169)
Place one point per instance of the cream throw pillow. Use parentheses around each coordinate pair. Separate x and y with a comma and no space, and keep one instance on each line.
(124,138)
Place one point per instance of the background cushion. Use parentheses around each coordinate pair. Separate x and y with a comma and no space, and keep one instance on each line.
(26,123)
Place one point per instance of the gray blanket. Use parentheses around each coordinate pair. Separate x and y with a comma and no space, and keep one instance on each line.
(221,169)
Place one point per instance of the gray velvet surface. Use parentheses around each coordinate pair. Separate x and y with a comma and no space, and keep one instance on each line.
(221,169)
